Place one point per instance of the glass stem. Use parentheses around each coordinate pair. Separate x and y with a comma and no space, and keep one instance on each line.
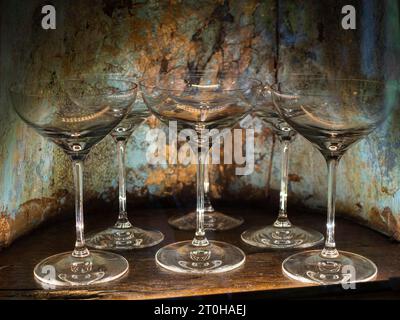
(122,222)
(283,221)
(329,250)
(207,202)
(80,250)
(200,239)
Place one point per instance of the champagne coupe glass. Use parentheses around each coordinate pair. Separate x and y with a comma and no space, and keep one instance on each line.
(282,234)
(332,114)
(213,220)
(123,235)
(200,102)
(76,122)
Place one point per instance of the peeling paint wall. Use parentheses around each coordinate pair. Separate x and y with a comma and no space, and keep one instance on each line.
(258,37)
(311,39)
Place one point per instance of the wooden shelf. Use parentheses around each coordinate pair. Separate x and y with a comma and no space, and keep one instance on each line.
(261,275)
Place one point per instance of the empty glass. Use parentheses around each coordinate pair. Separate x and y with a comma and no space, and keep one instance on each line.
(332,114)
(97,107)
(213,220)
(200,102)
(123,235)
(282,234)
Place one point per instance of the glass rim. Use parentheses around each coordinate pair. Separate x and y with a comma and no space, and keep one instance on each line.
(309,92)
(116,75)
(142,83)
(18,88)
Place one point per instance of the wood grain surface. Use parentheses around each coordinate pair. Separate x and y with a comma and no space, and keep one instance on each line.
(261,275)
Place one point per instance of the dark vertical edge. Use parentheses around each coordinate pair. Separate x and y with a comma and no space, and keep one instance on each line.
(277,40)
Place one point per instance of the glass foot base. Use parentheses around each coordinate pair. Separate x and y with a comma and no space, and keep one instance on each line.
(282,238)
(124,239)
(214,221)
(183,257)
(65,270)
(311,267)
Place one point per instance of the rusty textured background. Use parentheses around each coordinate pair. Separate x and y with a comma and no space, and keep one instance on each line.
(263,38)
